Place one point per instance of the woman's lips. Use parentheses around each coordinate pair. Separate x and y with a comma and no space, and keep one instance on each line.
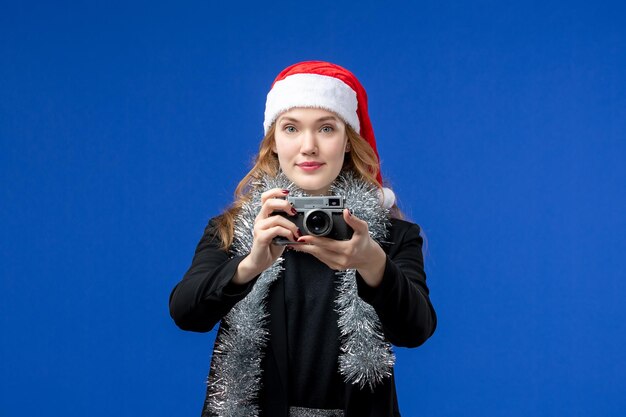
(310,166)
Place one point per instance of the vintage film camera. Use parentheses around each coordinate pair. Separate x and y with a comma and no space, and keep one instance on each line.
(318,216)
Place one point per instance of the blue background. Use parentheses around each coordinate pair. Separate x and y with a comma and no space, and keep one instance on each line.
(125,126)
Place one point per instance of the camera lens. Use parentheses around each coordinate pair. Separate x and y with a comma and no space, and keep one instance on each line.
(318,223)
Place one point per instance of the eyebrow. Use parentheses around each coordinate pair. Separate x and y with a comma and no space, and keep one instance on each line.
(321,119)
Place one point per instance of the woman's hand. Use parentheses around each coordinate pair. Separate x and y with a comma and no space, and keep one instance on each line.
(361,252)
(266,227)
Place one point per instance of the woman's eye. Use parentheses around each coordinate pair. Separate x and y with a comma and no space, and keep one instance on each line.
(289,129)
(327,129)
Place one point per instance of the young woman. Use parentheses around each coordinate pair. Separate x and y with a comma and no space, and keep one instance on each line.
(306,327)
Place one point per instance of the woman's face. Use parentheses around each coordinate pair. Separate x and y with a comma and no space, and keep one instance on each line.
(311,145)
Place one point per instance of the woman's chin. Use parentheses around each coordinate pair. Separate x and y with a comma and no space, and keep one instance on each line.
(314,189)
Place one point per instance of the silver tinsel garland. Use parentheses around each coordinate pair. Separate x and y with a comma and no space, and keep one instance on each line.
(366,357)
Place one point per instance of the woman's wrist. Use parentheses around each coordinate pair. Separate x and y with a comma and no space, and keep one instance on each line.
(372,271)
(245,272)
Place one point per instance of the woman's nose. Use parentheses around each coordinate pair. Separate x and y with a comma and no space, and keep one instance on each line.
(309,143)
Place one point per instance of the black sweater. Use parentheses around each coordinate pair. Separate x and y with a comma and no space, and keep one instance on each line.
(300,365)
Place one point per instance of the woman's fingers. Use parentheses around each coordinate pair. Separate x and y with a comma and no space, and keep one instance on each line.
(274,200)
(266,236)
(334,260)
(331,245)
(276,205)
(359,226)
(273,193)
(277,221)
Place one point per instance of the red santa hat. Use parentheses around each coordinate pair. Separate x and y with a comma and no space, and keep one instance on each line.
(326,86)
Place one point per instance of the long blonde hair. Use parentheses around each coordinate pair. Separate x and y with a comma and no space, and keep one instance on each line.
(361,159)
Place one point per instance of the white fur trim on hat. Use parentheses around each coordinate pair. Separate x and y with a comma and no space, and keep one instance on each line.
(387,197)
(312,90)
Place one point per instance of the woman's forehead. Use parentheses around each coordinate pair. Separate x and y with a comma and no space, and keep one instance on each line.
(309,114)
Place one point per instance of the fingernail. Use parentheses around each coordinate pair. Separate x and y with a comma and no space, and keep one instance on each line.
(285,191)
(298,232)
(349,212)
(294,211)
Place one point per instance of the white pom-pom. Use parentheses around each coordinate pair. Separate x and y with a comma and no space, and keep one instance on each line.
(387,197)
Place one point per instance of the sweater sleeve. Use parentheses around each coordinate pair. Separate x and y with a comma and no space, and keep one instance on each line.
(206,292)
(401,300)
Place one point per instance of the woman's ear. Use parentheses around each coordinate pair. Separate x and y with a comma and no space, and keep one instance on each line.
(348,148)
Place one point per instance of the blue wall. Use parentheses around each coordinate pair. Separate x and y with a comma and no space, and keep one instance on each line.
(501,125)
